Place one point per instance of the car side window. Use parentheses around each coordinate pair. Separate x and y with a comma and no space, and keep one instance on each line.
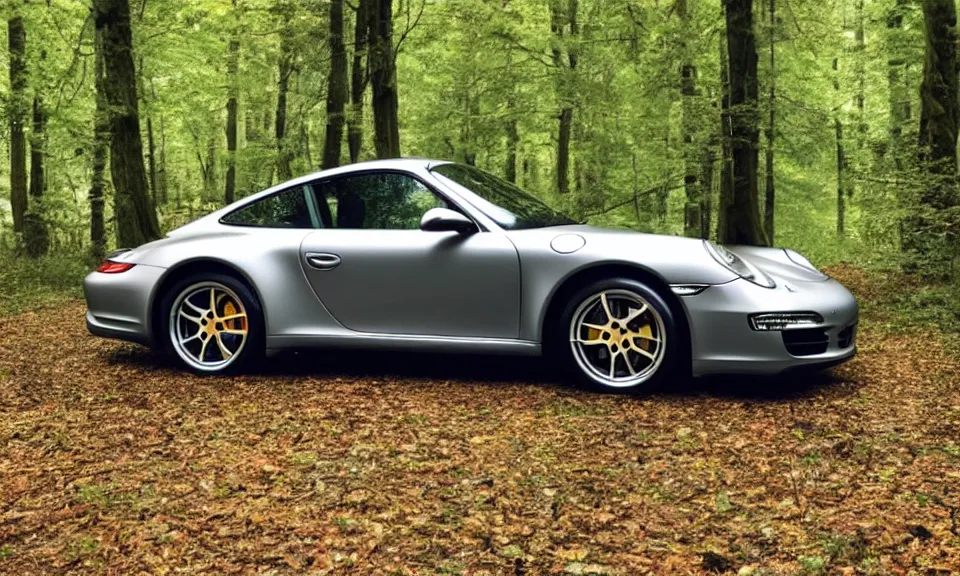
(287,209)
(385,201)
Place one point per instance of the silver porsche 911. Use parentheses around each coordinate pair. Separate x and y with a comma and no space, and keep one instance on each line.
(426,255)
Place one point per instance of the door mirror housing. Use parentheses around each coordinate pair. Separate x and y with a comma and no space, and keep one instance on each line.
(446,220)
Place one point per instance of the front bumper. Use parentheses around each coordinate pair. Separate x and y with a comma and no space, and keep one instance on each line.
(724,343)
(118,305)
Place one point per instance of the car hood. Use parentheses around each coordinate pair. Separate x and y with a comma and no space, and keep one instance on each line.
(677,259)
(776,263)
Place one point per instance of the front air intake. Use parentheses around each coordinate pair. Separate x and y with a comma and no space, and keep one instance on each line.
(805,341)
(846,336)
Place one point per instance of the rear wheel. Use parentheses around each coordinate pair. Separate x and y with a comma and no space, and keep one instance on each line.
(212,323)
(619,334)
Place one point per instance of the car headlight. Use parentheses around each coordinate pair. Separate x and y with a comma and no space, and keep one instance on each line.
(738,265)
(777,321)
(803,262)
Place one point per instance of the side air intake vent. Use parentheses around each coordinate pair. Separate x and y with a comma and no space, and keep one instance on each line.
(805,341)
(846,336)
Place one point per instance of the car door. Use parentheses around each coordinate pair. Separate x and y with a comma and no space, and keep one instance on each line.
(375,271)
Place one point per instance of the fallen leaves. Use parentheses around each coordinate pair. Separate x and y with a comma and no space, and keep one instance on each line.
(113,461)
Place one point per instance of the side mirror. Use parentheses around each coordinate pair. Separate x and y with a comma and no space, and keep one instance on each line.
(445,220)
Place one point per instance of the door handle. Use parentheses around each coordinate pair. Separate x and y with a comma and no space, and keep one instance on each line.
(322,261)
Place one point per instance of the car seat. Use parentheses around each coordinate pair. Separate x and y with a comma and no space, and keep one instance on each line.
(351,210)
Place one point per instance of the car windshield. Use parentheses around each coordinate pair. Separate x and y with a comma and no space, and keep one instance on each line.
(510,207)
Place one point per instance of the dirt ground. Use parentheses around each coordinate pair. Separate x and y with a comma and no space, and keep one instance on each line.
(114,462)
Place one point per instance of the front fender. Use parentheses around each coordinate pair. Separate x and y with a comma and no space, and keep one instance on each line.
(544,271)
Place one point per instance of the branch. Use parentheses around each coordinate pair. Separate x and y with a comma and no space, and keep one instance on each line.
(661,187)
(77,54)
(535,54)
(410,27)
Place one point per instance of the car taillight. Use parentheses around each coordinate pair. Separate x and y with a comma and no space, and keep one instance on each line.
(111,267)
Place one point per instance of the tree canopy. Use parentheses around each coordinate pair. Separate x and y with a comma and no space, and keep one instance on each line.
(829,126)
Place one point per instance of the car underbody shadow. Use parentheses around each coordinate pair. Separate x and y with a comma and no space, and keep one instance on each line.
(362,363)
(469,368)
(788,386)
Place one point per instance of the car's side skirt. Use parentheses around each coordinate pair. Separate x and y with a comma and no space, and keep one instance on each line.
(395,342)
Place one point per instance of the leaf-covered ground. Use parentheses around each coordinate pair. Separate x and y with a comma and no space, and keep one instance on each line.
(113,462)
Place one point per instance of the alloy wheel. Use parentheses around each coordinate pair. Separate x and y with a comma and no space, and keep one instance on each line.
(208,326)
(617,338)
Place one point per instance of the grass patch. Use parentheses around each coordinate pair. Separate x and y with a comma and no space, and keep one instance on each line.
(27,284)
(94,494)
(303,458)
(80,548)
(896,302)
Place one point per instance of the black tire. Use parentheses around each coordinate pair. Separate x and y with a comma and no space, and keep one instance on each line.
(565,356)
(254,348)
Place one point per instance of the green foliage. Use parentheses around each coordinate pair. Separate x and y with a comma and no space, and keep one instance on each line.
(936,305)
(470,73)
(27,284)
(812,564)
(80,548)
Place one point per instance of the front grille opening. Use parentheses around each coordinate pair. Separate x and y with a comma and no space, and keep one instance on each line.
(805,341)
(846,336)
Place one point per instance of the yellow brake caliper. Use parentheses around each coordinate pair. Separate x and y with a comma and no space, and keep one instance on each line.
(237,323)
(645,332)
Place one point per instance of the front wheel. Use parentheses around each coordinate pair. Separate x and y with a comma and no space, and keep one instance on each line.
(620,335)
(212,324)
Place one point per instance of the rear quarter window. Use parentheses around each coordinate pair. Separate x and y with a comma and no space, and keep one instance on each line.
(287,209)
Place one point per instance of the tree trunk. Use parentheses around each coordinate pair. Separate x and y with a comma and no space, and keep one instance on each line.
(726,133)
(691,167)
(358,80)
(152,162)
(233,95)
(560,20)
(692,211)
(136,218)
(861,81)
(162,165)
(930,239)
(101,140)
(897,83)
(305,142)
(284,172)
(467,145)
(841,178)
(563,150)
(35,234)
(769,204)
(843,163)
(742,219)
(708,159)
(336,89)
(383,76)
(513,140)
(158,166)
(511,126)
(17,42)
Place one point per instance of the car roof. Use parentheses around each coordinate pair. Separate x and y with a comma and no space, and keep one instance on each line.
(404,164)
(407,164)
(388,164)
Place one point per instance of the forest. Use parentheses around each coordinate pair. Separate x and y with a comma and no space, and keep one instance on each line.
(828,127)
(825,126)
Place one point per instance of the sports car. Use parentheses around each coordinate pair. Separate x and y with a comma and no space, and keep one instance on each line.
(416,254)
